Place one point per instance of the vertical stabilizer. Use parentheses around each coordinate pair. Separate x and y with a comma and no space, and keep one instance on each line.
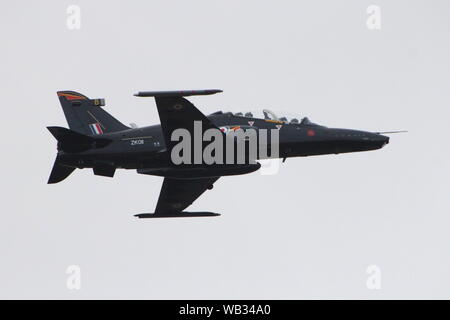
(86,115)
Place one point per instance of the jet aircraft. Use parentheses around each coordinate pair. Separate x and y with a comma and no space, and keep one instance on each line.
(99,141)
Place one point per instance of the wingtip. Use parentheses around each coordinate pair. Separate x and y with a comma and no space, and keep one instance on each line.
(177,93)
(183,214)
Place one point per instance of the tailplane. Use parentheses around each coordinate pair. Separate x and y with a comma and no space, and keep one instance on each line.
(59,172)
(86,115)
(71,141)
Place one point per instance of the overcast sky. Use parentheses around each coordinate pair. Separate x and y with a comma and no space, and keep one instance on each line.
(310,231)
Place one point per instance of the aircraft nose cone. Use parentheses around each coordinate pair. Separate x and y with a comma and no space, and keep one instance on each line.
(379,140)
(382,138)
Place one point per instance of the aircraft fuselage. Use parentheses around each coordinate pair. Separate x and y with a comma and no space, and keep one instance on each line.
(145,147)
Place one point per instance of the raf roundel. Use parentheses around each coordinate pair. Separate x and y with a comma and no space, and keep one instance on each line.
(311,133)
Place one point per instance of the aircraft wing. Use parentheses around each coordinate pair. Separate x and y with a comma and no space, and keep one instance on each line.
(177,194)
(177,112)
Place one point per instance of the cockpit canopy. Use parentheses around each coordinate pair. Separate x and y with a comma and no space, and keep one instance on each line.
(270,115)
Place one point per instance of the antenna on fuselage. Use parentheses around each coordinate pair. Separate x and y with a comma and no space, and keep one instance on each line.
(389,132)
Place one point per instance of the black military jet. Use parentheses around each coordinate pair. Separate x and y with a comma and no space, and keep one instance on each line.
(99,141)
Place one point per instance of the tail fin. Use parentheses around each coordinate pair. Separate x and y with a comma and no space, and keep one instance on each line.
(59,172)
(86,116)
(71,141)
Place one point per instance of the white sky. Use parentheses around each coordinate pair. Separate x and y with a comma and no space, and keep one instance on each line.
(309,231)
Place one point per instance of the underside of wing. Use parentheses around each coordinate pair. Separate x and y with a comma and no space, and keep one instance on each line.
(176,112)
(179,113)
(177,194)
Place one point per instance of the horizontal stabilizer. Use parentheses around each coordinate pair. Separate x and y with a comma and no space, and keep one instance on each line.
(177,215)
(68,136)
(184,93)
(59,172)
(72,141)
